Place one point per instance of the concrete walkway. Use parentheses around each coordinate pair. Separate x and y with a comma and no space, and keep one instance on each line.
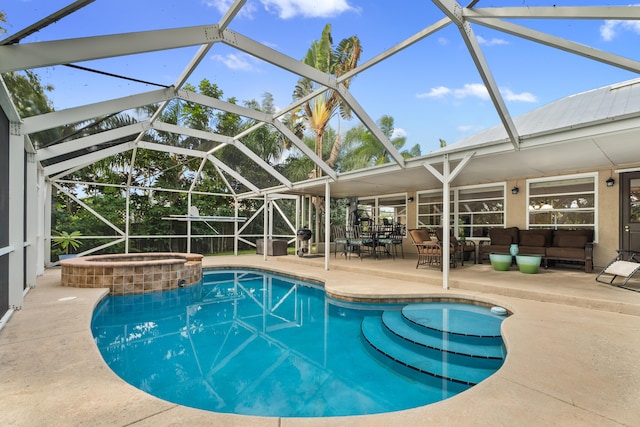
(573,352)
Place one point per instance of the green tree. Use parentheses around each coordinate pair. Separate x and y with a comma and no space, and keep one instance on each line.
(317,112)
(29,95)
(364,149)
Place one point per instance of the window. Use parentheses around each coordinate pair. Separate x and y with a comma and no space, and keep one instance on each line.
(479,209)
(562,202)
(430,209)
(389,209)
(474,209)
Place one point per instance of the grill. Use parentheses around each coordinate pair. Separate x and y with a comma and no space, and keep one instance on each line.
(304,234)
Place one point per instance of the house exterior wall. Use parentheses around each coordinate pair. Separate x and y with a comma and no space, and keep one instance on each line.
(608,219)
(608,214)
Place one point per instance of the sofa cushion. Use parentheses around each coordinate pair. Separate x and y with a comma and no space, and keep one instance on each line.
(572,241)
(532,250)
(532,239)
(558,236)
(501,239)
(566,253)
(503,236)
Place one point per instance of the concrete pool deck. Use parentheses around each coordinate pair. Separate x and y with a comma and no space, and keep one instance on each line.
(573,351)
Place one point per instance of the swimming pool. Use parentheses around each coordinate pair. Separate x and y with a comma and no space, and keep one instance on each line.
(256,343)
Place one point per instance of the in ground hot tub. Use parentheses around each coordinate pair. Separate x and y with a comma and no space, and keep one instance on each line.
(136,273)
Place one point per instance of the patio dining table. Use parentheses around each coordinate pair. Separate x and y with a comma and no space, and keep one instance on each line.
(376,236)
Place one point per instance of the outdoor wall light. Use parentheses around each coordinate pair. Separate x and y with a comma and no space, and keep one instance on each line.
(610,182)
(515,190)
(410,199)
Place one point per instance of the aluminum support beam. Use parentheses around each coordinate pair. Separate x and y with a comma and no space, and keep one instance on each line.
(454,11)
(86,112)
(171,150)
(561,44)
(6,104)
(209,136)
(91,210)
(446,177)
(327,224)
(50,53)
(196,133)
(371,125)
(306,150)
(46,232)
(556,12)
(397,48)
(41,221)
(276,58)
(233,173)
(79,162)
(31,219)
(54,17)
(208,101)
(89,141)
(17,194)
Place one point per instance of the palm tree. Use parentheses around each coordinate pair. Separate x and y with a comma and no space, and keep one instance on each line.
(317,112)
(365,150)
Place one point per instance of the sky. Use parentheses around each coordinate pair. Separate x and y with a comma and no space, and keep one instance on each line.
(432,89)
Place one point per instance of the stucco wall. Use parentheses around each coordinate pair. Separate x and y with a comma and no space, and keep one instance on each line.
(517,211)
(608,220)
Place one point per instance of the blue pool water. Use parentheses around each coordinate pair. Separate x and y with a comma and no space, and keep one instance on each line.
(248,342)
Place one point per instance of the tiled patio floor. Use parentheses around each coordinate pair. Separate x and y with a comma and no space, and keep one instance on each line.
(573,352)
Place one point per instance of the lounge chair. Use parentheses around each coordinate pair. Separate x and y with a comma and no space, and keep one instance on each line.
(429,250)
(624,265)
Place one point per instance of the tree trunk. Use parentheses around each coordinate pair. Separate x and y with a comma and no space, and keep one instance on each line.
(335,150)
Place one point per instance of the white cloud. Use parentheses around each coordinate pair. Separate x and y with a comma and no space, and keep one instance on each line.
(308,8)
(223,6)
(476,90)
(398,133)
(472,89)
(610,29)
(509,95)
(435,92)
(492,42)
(235,61)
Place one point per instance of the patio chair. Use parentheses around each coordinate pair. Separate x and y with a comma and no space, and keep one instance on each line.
(340,238)
(459,247)
(360,240)
(624,265)
(391,237)
(429,251)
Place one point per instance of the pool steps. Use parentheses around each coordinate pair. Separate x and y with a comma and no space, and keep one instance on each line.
(398,341)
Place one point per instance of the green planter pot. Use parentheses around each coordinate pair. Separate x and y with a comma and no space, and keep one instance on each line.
(500,262)
(528,264)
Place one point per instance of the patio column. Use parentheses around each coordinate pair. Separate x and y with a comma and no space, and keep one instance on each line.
(327,224)
(16,237)
(446,177)
(446,226)
(265,224)
(31,219)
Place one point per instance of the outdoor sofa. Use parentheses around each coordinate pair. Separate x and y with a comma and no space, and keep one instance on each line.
(551,245)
